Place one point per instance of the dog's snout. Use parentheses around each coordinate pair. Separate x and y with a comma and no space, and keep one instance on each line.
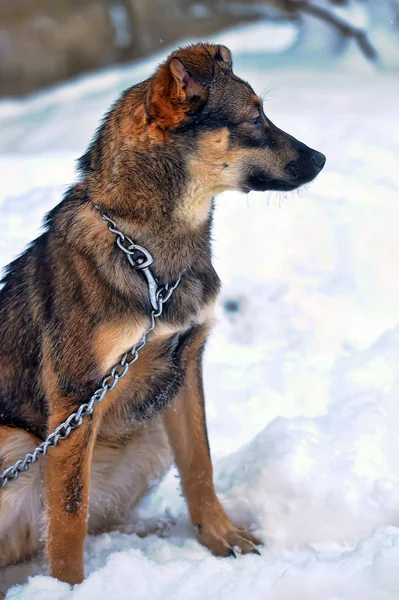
(306,166)
(318,159)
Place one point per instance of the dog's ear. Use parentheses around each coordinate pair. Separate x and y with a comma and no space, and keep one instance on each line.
(180,87)
(222,56)
(191,79)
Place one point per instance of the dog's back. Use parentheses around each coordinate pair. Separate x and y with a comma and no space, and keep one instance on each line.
(23,299)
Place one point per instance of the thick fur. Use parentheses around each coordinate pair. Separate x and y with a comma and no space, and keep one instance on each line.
(71,305)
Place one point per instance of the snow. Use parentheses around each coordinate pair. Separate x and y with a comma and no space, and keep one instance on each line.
(301,372)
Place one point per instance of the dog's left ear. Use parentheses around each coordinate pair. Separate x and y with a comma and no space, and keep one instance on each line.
(180,87)
(191,80)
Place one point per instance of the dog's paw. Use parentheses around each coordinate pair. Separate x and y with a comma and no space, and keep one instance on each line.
(227,540)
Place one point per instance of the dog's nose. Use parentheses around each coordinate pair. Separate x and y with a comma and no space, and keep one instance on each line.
(318,159)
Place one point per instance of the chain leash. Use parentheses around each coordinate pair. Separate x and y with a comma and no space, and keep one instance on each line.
(140,259)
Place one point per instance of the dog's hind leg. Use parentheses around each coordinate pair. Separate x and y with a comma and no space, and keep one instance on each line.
(21,509)
(123,473)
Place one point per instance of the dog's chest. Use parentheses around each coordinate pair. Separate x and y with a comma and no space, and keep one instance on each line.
(154,379)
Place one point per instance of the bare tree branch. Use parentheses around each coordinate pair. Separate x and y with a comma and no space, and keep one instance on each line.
(345,28)
(293,9)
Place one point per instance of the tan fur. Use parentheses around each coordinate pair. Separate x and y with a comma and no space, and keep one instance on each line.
(66,484)
(207,178)
(185,424)
(112,340)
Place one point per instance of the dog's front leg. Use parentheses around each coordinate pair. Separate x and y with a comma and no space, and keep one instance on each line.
(67,478)
(186,427)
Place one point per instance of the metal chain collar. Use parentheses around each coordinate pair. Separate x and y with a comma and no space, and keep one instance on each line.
(140,259)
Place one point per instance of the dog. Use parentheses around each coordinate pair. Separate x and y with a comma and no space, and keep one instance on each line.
(71,305)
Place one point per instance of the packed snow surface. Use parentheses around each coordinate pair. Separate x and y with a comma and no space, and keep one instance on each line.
(301,372)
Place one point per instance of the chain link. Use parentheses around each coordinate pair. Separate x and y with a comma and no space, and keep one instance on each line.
(138,256)
(140,259)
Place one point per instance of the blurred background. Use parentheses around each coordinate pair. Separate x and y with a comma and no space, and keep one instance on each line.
(46,41)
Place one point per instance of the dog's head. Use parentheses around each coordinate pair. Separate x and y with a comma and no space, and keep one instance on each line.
(190,131)
(196,96)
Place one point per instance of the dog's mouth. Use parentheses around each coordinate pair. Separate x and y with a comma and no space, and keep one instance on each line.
(264,185)
(298,173)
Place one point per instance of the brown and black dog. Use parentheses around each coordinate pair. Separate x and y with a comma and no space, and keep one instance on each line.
(71,306)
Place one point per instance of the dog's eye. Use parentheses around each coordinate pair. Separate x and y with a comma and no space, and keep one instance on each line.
(256,121)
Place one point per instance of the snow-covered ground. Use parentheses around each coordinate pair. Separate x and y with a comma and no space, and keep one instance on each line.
(302,371)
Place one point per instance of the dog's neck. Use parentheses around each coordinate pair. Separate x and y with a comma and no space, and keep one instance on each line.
(173,221)
(153,190)
(174,245)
